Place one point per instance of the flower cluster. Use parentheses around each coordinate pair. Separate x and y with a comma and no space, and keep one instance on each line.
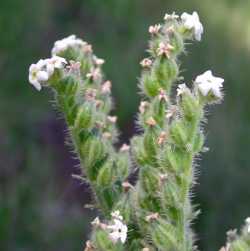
(156,208)
(117,230)
(65,43)
(40,72)
(192,22)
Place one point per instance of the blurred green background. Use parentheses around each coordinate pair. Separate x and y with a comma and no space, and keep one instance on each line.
(41,205)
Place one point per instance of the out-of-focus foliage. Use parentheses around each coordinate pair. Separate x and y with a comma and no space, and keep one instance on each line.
(41,206)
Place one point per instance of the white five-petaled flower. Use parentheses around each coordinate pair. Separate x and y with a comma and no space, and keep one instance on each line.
(182,88)
(192,22)
(38,74)
(248,224)
(65,43)
(209,83)
(118,231)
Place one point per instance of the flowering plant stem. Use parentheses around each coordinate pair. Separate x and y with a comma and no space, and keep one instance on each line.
(156,211)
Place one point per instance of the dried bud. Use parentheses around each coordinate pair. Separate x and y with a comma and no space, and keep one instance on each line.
(124,148)
(171,112)
(97,223)
(152,217)
(172,16)
(164,49)
(94,74)
(89,246)
(154,29)
(112,119)
(163,177)
(161,138)
(223,249)
(143,106)
(151,122)
(74,67)
(98,103)
(127,186)
(87,48)
(162,95)
(107,135)
(170,30)
(146,63)
(90,94)
(106,87)
(99,61)
(99,124)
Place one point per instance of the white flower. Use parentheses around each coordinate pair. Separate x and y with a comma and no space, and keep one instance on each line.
(118,231)
(181,89)
(55,63)
(208,83)
(248,224)
(38,74)
(65,43)
(192,22)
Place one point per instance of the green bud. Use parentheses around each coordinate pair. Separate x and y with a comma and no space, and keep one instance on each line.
(150,85)
(104,243)
(177,42)
(178,133)
(138,150)
(150,145)
(165,71)
(171,194)
(164,236)
(149,178)
(84,117)
(105,175)
(198,142)
(190,106)
(123,165)
(94,155)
